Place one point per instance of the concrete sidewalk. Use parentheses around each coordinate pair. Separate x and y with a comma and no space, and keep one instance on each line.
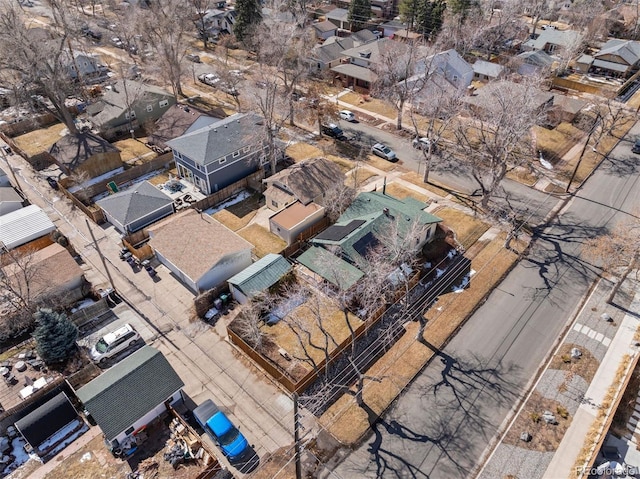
(622,344)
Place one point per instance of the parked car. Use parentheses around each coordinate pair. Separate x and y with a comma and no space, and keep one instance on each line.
(229,89)
(221,429)
(383,151)
(88,32)
(113,343)
(236,73)
(636,147)
(423,143)
(192,57)
(52,182)
(209,78)
(347,115)
(334,131)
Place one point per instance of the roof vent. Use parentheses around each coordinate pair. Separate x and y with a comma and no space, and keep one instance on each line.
(215,130)
(385,211)
(365,54)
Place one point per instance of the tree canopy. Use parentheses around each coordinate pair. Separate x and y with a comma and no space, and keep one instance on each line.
(248,16)
(55,336)
(359,14)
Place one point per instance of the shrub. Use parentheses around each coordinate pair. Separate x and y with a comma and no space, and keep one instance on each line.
(535,417)
(562,412)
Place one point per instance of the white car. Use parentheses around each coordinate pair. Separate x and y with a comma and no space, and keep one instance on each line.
(209,79)
(347,115)
(423,143)
(112,343)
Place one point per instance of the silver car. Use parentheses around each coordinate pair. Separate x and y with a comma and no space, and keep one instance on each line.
(383,151)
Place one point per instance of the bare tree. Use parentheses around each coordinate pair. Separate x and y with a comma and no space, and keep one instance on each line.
(337,199)
(18,278)
(495,136)
(249,323)
(617,250)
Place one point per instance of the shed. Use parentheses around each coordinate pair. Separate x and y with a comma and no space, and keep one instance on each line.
(258,277)
(137,207)
(10,200)
(289,222)
(131,394)
(47,421)
(24,225)
(484,71)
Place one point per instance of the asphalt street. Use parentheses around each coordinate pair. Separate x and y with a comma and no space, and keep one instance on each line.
(442,425)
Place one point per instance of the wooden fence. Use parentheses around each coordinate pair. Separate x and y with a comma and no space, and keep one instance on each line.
(253,181)
(305,235)
(575,85)
(95,214)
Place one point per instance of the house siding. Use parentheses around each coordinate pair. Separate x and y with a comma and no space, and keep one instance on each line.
(290,235)
(150,218)
(188,282)
(224,269)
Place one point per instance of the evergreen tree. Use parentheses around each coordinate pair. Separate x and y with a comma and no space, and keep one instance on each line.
(429,17)
(408,10)
(248,16)
(359,14)
(461,8)
(55,336)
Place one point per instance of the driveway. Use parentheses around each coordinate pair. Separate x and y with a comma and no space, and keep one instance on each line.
(441,426)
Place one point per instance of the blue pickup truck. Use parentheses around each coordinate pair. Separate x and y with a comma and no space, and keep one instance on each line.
(223,432)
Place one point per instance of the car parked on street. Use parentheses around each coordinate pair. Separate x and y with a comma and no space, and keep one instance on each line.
(383,151)
(52,182)
(636,147)
(347,115)
(192,57)
(226,436)
(423,143)
(210,79)
(334,131)
(113,343)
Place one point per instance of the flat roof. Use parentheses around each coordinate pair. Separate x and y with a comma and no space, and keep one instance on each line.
(295,214)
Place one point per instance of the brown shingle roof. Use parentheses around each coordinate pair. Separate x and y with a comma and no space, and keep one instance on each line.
(194,242)
(294,214)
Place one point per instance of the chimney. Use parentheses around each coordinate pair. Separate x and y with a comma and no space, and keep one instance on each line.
(385,211)
(471,90)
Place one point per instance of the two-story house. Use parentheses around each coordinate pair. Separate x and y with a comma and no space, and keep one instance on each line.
(329,54)
(618,58)
(222,153)
(86,69)
(218,22)
(357,65)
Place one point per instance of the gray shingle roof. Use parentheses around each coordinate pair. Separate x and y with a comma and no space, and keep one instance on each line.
(9,194)
(492,70)
(561,38)
(628,50)
(261,275)
(538,58)
(220,139)
(129,390)
(135,203)
(45,421)
(324,27)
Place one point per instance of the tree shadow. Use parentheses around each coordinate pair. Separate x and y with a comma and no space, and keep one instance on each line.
(620,166)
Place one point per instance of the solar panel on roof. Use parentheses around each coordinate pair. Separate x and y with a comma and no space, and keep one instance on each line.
(336,232)
(366,243)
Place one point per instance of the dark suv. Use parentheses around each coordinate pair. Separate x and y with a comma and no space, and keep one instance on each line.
(636,147)
(334,131)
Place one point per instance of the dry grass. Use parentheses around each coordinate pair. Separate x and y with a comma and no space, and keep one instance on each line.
(585,366)
(131,149)
(416,179)
(373,105)
(379,163)
(163,177)
(344,164)
(467,228)
(399,191)
(358,177)
(545,437)
(278,465)
(348,423)
(264,241)
(522,175)
(231,221)
(627,405)
(554,143)
(307,316)
(41,140)
(303,151)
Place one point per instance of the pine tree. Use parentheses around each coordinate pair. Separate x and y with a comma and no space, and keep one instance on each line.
(55,336)
(429,16)
(408,11)
(248,15)
(359,14)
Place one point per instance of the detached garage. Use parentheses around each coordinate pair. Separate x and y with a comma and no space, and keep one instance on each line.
(258,277)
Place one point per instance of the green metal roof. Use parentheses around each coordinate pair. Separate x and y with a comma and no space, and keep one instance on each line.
(375,201)
(330,267)
(261,275)
(129,390)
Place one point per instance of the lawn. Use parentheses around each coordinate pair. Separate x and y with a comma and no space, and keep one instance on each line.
(344,164)
(264,241)
(41,140)
(467,228)
(372,104)
(407,357)
(399,191)
(131,149)
(303,151)
(554,144)
(163,177)
(522,175)
(358,177)
(237,216)
(416,179)
(379,163)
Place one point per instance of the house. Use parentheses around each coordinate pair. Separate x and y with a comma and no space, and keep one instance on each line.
(52,426)
(618,58)
(86,69)
(85,154)
(289,222)
(324,29)
(391,27)
(218,22)
(10,200)
(127,105)
(199,250)
(258,277)
(221,153)
(551,40)
(534,62)
(179,119)
(329,54)
(486,71)
(133,209)
(566,108)
(368,222)
(406,36)
(340,18)
(52,274)
(486,96)
(130,395)
(448,74)
(306,182)
(24,225)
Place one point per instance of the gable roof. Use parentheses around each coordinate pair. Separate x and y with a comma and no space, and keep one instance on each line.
(134,203)
(73,150)
(628,50)
(261,275)
(375,202)
(330,267)
(332,48)
(537,58)
(129,390)
(177,120)
(23,225)
(492,70)
(341,14)
(324,27)
(308,179)
(42,423)
(363,36)
(220,139)
(485,97)
(372,50)
(552,36)
(449,61)
(195,242)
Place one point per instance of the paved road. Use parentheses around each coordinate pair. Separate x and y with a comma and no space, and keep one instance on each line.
(448,171)
(443,423)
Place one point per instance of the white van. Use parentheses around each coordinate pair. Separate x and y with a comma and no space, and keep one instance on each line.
(112,343)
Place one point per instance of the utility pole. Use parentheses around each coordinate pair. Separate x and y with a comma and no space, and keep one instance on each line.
(296,436)
(104,262)
(591,132)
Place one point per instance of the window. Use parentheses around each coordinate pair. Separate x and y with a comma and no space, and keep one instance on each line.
(222,161)
(246,149)
(130,115)
(129,431)
(149,107)
(274,203)
(163,103)
(198,167)
(236,154)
